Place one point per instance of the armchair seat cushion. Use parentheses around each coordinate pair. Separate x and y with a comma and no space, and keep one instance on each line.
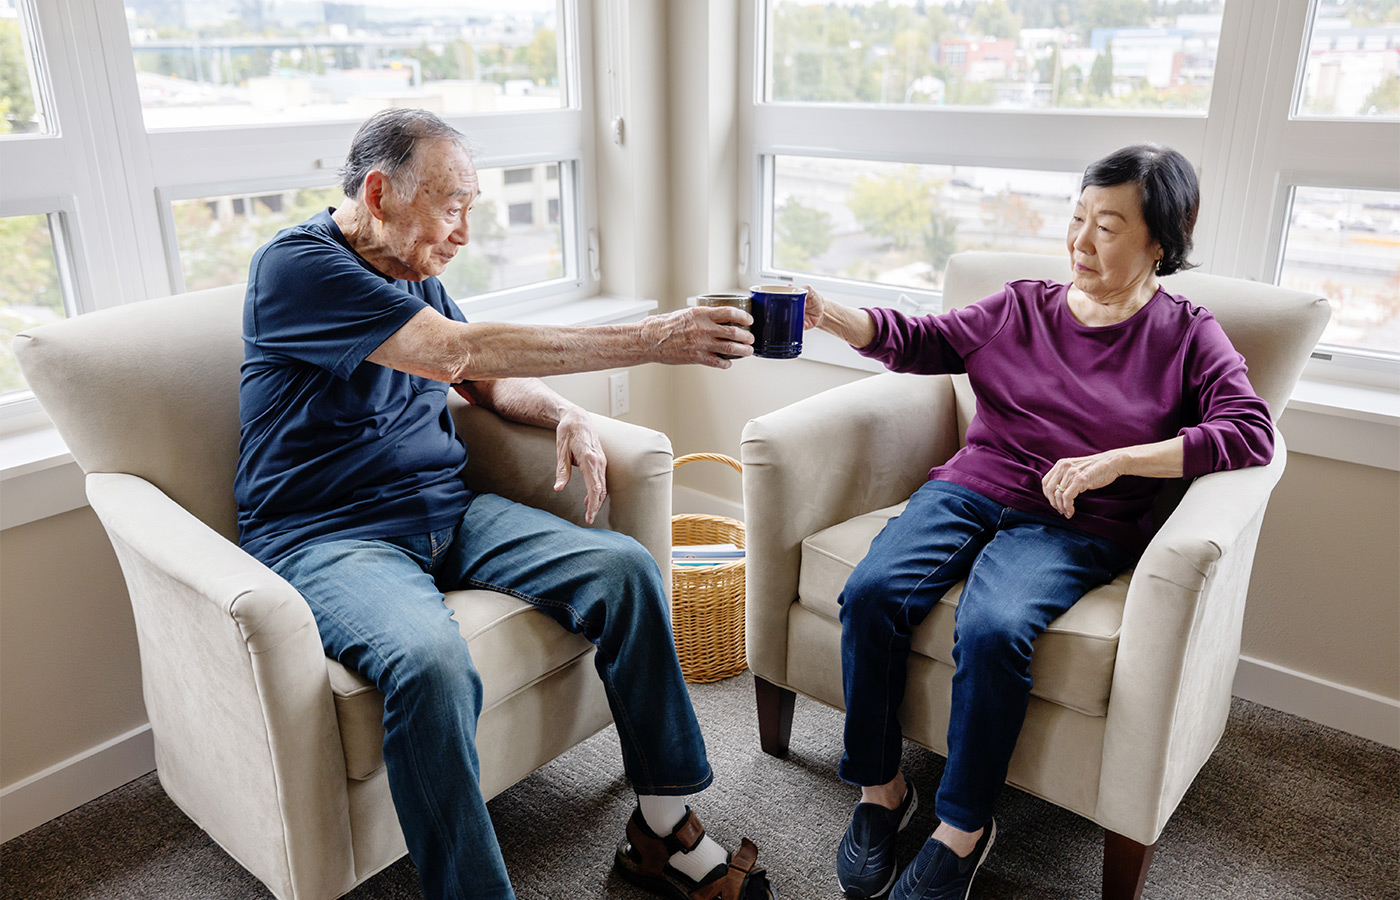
(1073,660)
(524,645)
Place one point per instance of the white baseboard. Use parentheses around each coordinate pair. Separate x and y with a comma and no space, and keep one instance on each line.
(1348,709)
(68,785)
(691,501)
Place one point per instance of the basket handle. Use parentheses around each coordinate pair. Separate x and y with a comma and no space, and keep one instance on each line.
(729,461)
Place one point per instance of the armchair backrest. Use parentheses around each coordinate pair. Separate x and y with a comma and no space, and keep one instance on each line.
(1274,328)
(149,389)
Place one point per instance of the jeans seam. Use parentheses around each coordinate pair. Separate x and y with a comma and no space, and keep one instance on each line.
(531,599)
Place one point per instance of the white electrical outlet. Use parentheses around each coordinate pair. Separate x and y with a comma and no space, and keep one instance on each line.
(618,400)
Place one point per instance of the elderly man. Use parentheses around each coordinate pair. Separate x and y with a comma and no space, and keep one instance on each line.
(349,487)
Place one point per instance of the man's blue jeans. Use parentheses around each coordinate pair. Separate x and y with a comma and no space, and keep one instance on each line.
(1021,570)
(379,607)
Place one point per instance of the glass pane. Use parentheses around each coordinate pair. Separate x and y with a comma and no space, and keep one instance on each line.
(1345,245)
(231,62)
(19,111)
(516,236)
(897,224)
(30,293)
(1353,63)
(1140,55)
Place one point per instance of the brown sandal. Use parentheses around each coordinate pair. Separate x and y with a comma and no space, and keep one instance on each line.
(644,859)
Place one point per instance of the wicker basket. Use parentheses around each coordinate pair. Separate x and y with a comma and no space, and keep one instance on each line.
(707,602)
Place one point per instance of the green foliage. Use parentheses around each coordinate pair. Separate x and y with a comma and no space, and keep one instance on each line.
(16,98)
(802,233)
(1384,99)
(995,20)
(30,294)
(540,58)
(940,239)
(1101,75)
(894,207)
(216,251)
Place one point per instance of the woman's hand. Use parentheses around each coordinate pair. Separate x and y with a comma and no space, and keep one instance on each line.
(1071,477)
(576,444)
(815,310)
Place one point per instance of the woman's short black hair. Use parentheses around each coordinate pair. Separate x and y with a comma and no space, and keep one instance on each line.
(387,141)
(1169,191)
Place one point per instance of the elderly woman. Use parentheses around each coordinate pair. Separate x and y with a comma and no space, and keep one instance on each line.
(1088,395)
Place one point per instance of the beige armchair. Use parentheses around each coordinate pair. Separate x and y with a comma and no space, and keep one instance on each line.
(1132,685)
(270,747)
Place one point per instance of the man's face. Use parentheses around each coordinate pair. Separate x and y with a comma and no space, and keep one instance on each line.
(423,234)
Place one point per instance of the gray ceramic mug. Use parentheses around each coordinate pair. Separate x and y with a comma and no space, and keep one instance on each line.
(738,301)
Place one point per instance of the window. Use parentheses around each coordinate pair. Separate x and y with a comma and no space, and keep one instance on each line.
(30,289)
(882,137)
(193,131)
(897,224)
(20,109)
(1353,61)
(1126,55)
(519,176)
(226,62)
(1345,244)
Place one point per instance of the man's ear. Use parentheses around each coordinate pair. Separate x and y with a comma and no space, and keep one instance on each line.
(376,186)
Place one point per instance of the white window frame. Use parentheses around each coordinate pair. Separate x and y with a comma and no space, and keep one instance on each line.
(1248,147)
(112,181)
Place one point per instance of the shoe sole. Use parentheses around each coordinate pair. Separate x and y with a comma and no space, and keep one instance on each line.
(903,824)
(991,839)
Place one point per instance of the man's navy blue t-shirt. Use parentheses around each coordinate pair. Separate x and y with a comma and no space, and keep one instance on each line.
(333,446)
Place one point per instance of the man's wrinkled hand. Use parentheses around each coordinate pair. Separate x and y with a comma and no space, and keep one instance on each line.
(699,335)
(576,444)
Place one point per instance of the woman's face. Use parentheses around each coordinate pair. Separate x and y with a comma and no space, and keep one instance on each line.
(1110,249)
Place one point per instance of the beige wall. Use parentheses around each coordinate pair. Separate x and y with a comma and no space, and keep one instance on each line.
(1325,600)
(69,677)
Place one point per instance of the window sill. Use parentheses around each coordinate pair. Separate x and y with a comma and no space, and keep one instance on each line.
(39,479)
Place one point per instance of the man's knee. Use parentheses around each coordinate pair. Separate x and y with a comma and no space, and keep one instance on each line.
(436,662)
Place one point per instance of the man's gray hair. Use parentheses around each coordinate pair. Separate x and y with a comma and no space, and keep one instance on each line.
(389,141)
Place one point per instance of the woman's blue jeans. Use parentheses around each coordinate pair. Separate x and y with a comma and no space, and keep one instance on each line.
(1021,571)
(379,607)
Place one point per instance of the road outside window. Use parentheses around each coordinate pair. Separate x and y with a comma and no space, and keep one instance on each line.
(1345,246)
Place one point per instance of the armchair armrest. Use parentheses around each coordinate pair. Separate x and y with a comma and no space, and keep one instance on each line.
(1179,646)
(845,452)
(229,648)
(517,462)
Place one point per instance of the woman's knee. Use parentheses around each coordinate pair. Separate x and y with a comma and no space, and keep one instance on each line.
(991,631)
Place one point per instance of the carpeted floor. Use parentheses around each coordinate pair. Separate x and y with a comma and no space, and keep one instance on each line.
(1285,810)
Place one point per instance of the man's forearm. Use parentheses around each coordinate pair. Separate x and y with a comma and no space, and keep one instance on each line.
(432,346)
(525,400)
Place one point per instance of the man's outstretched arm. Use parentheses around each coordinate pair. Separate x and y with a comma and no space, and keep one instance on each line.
(431,345)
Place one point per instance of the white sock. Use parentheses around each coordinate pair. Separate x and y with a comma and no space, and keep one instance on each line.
(662,815)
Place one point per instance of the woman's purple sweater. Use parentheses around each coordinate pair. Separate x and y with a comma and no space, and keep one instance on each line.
(1049,387)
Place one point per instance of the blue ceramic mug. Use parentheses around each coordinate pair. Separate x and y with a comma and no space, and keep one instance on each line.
(777,320)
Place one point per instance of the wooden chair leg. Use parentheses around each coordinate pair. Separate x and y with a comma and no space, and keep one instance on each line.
(775,707)
(1125,863)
